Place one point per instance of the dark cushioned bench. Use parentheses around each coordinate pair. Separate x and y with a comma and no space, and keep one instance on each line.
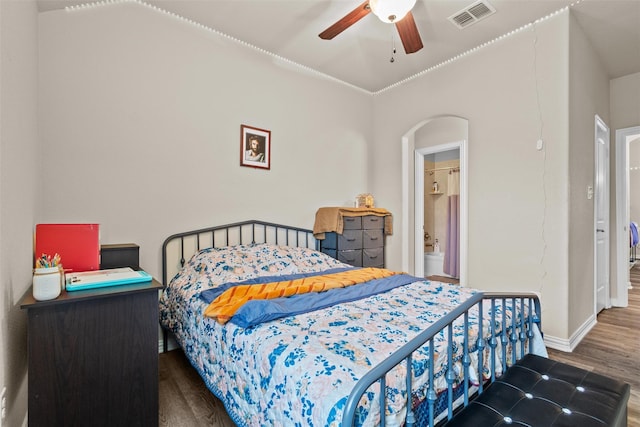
(541,392)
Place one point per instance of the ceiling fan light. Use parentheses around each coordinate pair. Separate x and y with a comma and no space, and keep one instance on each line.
(391,11)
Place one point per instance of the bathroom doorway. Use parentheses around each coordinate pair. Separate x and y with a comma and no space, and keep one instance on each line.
(441,212)
(441,215)
(431,136)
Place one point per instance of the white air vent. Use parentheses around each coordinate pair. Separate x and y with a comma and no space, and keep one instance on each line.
(472,14)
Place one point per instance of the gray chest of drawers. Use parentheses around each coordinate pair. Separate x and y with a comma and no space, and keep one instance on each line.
(361,243)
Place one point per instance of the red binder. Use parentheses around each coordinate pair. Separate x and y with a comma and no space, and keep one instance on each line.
(77,244)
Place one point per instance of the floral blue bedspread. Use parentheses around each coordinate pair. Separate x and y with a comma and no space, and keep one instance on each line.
(299,370)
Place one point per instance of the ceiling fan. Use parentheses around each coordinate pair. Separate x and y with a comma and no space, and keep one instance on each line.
(396,12)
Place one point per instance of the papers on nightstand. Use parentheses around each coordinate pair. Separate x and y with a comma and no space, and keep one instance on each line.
(102,278)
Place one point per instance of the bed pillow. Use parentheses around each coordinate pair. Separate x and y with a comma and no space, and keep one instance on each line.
(278,267)
(212,267)
(308,260)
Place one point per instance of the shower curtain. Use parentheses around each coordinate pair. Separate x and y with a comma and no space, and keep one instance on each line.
(452,250)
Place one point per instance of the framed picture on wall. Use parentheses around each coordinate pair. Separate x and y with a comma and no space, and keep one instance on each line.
(255,147)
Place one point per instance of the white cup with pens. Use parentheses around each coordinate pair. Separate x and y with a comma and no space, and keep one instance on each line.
(47,278)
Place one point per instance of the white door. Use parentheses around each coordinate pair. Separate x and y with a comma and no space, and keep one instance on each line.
(601,215)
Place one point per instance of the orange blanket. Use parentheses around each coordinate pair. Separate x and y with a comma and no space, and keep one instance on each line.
(225,305)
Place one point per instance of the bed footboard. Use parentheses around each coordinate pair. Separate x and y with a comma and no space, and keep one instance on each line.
(496,342)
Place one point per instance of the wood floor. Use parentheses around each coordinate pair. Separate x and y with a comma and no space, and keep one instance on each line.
(184,399)
(444,279)
(611,348)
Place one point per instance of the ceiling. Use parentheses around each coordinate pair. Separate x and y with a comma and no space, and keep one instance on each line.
(361,55)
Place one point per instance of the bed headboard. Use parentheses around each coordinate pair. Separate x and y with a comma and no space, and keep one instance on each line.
(179,248)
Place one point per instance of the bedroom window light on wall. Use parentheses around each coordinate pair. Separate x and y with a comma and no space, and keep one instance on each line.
(391,11)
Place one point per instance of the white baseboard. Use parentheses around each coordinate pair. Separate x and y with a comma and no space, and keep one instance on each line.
(621,302)
(570,344)
(557,343)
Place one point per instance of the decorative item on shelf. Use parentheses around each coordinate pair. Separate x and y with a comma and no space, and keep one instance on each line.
(436,246)
(435,187)
(364,200)
(48,278)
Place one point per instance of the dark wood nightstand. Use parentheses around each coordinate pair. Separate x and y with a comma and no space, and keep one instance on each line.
(93,357)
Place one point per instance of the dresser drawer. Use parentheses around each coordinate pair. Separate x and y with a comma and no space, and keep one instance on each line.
(372,239)
(373,222)
(351,223)
(331,252)
(350,239)
(353,257)
(373,257)
(330,241)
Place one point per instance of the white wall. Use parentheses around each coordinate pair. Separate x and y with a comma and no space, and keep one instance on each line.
(19,192)
(512,92)
(141,116)
(625,102)
(588,96)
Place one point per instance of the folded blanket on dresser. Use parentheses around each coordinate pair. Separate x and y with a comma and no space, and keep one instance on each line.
(330,219)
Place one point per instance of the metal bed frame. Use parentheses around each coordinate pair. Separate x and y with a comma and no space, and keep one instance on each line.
(512,339)
(239,233)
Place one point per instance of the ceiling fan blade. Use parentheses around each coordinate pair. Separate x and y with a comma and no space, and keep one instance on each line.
(351,18)
(409,34)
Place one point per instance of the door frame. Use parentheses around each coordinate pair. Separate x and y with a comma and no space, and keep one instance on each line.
(623,137)
(601,135)
(419,155)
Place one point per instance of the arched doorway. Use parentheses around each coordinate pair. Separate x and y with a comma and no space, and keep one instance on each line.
(431,136)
